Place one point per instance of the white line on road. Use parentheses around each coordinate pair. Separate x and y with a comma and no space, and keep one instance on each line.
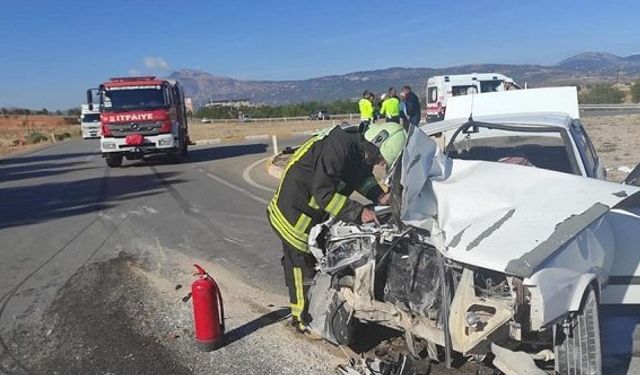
(246,176)
(238,189)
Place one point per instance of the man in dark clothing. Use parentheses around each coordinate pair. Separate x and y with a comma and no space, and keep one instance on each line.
(412,107)
(316,184)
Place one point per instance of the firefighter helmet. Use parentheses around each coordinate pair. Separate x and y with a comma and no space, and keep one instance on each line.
(389,138)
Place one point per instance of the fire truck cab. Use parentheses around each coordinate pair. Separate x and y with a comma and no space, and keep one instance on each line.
(440,88)
(141,116)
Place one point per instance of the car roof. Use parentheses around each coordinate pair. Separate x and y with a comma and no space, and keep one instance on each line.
(546,119)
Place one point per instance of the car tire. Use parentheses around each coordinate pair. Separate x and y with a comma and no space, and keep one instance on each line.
(577,342)
(114,161)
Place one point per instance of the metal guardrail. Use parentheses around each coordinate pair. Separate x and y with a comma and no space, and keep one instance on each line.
(620,106)
(344,117)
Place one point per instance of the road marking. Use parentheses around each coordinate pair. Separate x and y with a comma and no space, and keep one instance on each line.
(246,176)
(238,189)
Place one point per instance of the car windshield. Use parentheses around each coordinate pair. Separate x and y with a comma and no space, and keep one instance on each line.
(91,117)
(128,98)
(541,148)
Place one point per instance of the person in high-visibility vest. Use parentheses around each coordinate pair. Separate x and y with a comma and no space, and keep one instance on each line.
(390,107)
(366,110)
(316,185)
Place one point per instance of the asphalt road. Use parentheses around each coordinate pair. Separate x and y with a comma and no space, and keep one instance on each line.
(62,209)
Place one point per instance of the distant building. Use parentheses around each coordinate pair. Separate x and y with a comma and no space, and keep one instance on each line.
(232,103)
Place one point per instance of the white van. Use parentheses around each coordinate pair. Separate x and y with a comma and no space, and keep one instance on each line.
(90,122)
(440,88)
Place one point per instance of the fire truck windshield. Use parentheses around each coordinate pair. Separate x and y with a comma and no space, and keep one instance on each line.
(131,98)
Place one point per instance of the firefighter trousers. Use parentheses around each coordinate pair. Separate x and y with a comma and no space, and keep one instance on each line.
(299,270)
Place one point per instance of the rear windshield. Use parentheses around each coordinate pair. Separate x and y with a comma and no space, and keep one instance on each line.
(535,149)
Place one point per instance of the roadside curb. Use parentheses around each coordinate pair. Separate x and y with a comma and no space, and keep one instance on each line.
(274,170)
(276,164)
(208,141)
(216,141)
(257,136)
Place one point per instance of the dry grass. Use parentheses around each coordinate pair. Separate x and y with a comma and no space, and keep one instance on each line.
(617,140)
(15,131)
(233,130)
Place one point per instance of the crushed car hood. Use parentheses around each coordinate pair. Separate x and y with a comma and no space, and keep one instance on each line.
(493,215)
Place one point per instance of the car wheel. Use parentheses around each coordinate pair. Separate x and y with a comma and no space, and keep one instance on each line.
(577,341)
(114,161)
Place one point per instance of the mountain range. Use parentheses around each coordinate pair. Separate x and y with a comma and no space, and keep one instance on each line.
(588,67)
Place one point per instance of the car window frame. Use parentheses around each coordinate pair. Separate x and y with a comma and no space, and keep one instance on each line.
(585,150)
(564,134)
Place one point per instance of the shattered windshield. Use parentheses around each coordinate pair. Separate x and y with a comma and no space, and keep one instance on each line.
(540,148)
(129,98)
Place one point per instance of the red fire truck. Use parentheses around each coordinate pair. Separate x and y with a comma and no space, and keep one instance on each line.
(141,116)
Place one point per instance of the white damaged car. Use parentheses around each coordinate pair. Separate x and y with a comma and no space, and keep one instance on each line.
(501,242)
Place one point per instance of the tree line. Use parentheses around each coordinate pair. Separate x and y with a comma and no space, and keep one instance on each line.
(604,93)
(286,110)
(42,112)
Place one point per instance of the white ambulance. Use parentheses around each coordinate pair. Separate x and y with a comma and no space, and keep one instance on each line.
(440,88)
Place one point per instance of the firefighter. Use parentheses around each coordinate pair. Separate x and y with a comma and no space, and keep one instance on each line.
(390,107)
(366,110)
(316,185)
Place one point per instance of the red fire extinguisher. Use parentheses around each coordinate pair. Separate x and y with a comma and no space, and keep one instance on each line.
(208,311)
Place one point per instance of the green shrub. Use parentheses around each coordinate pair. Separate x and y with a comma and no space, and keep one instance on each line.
(635,92)
(287,110)
(36,137)
(602,93)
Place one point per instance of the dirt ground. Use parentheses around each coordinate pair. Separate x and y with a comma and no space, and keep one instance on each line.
(15,131)
(234,130)
(617,141)
(127,315)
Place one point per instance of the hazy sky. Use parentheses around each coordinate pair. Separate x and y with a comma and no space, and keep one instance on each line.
(51,51)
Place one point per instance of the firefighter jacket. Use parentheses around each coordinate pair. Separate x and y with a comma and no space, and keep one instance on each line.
(366,109)
(317,184)
(390,107)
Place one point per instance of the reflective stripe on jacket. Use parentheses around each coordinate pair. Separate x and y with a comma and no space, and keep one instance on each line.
(317,183)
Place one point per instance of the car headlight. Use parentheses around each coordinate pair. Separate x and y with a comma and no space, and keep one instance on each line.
(165,141)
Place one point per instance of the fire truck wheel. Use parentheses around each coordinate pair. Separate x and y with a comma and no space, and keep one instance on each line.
(114,161)
(176,157)
(185,150)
